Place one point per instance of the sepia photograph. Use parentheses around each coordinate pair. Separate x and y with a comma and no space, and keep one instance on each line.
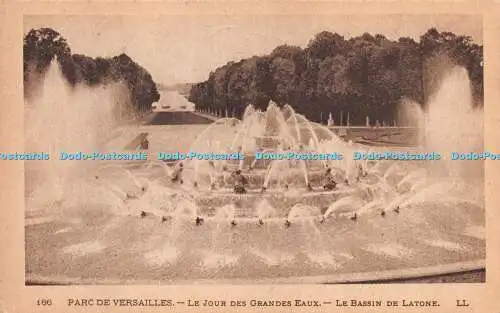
(253,149)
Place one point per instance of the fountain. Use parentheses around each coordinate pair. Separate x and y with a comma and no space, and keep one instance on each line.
(295,218)
(58,121)
(273,131)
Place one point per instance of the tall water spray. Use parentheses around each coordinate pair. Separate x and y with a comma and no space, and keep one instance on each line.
(449,124)
(411,114)
(66,119)
(452,124)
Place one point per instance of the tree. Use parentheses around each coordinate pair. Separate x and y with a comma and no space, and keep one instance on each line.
(43,46)
(365,75)
(325,44)
(442,50)
(283,71)
(40,47)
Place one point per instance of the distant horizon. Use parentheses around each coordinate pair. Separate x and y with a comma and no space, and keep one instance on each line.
(178,50)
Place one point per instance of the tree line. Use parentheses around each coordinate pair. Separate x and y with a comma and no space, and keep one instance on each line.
(363,76)
(42,45)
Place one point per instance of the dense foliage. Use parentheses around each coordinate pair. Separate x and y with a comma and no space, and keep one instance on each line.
(365,76)
(42,45)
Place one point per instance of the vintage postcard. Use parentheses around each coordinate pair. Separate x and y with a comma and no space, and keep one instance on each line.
(250,156)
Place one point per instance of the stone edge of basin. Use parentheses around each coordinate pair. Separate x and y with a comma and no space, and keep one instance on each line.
(345,278)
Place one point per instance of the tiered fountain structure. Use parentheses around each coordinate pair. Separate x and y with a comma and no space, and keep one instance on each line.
(283,185)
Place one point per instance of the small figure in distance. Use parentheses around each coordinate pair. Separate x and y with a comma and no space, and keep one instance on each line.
(329,180)
(199,221)
(287,223)
(239,182)
(354,217)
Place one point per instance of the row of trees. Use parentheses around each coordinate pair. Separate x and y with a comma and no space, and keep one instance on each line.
(365,76)
(42,45)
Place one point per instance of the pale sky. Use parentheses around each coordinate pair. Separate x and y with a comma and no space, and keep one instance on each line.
(179,49)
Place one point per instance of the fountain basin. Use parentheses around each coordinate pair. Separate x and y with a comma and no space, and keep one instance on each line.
(281,202)
(306,251)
